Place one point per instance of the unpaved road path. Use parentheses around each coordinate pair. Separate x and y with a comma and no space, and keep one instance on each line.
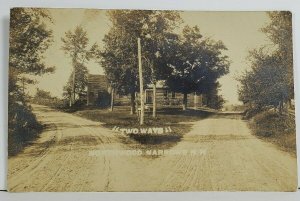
(75,154)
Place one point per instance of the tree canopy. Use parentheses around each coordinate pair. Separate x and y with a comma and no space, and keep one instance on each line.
(197,63)
(188,61)
(119,54)
(76,46)
(29,39)
(269,83)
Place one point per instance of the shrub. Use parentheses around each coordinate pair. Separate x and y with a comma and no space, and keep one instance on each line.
(270,123)
(22,127)
(278,128)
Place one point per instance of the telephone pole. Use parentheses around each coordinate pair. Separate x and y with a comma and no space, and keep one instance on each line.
(141,82)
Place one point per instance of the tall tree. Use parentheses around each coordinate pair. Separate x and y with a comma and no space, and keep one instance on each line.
(75,45)
(279,31)
(265,84)
(119,56)
(80,83)
(160,33)
(197,63)
(269,82)
(29,38)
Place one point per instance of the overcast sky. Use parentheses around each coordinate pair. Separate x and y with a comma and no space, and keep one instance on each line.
(240,32)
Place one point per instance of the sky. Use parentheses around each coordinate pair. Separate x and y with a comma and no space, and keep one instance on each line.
(239,31)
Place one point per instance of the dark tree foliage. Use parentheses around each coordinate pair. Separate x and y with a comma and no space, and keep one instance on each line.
(42,94)
(269,83)
(265,85)
(29,38)
(189,62)
(197,63)
(280,32)
(119,54)
(214,100)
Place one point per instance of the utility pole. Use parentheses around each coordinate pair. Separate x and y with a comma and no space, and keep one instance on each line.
(154,99)
(141,82)
(154,91)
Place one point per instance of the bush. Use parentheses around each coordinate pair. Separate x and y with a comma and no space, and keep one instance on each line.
(278,128)
(251,112)
(22,127)
(271,123)
(50,102)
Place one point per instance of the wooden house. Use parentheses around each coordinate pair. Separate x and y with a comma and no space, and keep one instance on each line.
(165,96)
(98,90)
(99,94)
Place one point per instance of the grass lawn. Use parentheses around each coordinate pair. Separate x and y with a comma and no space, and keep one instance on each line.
(176,118)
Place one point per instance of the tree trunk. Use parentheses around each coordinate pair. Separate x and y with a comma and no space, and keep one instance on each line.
(184,101)
(132,103)
(154,100)
(195,101)
(70,101)
(73,88)
(112,99)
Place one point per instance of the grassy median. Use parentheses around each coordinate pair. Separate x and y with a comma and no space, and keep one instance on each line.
(176,118)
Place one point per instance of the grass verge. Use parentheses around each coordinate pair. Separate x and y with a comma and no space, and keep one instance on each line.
(276,128)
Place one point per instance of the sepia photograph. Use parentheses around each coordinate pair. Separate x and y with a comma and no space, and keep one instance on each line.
(150,100)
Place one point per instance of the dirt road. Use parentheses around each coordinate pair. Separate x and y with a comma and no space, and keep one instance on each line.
(75,154)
